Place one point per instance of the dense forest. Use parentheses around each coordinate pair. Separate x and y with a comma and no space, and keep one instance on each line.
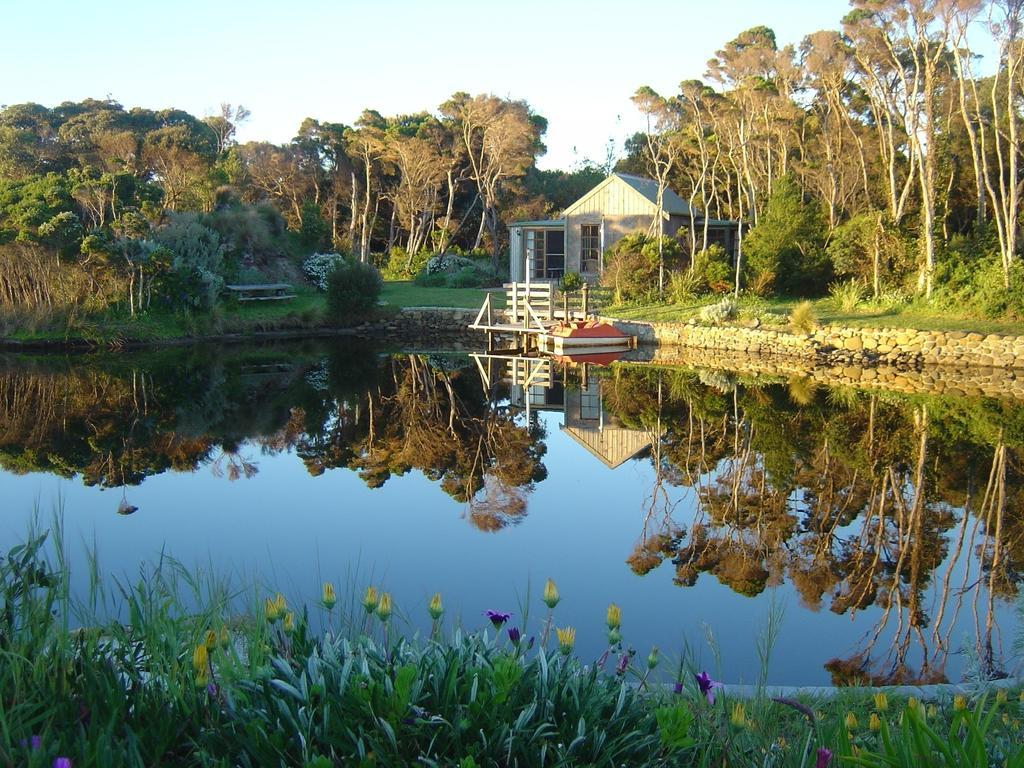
(885,152)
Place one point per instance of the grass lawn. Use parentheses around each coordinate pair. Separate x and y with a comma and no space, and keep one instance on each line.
(776,311)
(306,310)
(405,293)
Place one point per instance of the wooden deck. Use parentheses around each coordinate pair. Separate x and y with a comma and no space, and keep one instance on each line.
(531,311)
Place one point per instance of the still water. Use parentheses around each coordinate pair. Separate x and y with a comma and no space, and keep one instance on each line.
(885,529)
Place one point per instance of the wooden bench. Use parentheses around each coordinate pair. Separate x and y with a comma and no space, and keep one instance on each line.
(262,292)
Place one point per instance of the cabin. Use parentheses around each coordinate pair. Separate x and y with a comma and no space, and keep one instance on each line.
(576,242)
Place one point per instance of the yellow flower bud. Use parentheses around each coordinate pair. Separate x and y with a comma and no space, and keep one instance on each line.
(614,616)
(881,702)
(435,608)
(851,721)
(913,703)
(280,604)
(384,606)
(200,659)
(875,722)
(959,703)
(328,598)
(551,596)
(1001,696)
(932,711)
(370,600)
(210,639)
(738,717)
(289,623)
(270,609)
(566,639)
(224,638)
(1006,719)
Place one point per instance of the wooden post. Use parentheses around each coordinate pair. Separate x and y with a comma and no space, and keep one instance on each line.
(565,306)
(586,299)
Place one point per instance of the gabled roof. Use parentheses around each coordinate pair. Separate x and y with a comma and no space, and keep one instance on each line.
(670,201)
(612,446)
(672,204)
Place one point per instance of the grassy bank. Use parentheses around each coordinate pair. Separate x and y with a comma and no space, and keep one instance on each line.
(776,312)
(191,676)
(306,311)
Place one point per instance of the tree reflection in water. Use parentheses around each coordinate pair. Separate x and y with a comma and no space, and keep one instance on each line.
(860,500)
(906,507)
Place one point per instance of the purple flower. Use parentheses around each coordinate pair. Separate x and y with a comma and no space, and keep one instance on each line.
(212,690)
(33,743)
(514,635)
(678,687)
(62,762)
(623,665)
(497,618)
(824,757)
(707,686)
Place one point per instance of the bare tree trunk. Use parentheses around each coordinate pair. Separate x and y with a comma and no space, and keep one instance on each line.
(352,222)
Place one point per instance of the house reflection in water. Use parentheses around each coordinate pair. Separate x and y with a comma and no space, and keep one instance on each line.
(568,387)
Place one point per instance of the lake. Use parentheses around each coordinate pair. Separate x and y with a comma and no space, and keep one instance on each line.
(882,531)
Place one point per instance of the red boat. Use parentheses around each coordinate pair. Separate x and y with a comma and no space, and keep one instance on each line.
(576,337)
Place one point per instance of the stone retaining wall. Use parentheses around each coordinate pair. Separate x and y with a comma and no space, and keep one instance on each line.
(956,381)
(902,348)
(427,324)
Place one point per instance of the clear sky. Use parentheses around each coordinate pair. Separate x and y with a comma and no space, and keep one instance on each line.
(575,62)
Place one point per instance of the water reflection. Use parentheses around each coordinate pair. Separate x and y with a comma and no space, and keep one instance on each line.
(904,509)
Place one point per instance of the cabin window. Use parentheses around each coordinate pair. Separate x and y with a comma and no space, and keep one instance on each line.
(590,404)
(590,248)
(545,253)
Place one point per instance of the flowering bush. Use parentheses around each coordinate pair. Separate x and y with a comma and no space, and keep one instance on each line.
(318,266)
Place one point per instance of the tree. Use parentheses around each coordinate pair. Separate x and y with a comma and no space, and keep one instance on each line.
(663,150)
(502,138)
(225,125)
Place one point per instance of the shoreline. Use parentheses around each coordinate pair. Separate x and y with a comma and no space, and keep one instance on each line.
(839,348)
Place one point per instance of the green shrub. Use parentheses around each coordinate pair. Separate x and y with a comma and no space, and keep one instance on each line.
(631,266)
(788,243)
(198,257)
(710,272)
(571,282)
(846,295)
(353,289)
(969,274)
(467,277)
(400,265)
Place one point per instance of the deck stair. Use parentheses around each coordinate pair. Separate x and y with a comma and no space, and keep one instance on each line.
(531,310)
